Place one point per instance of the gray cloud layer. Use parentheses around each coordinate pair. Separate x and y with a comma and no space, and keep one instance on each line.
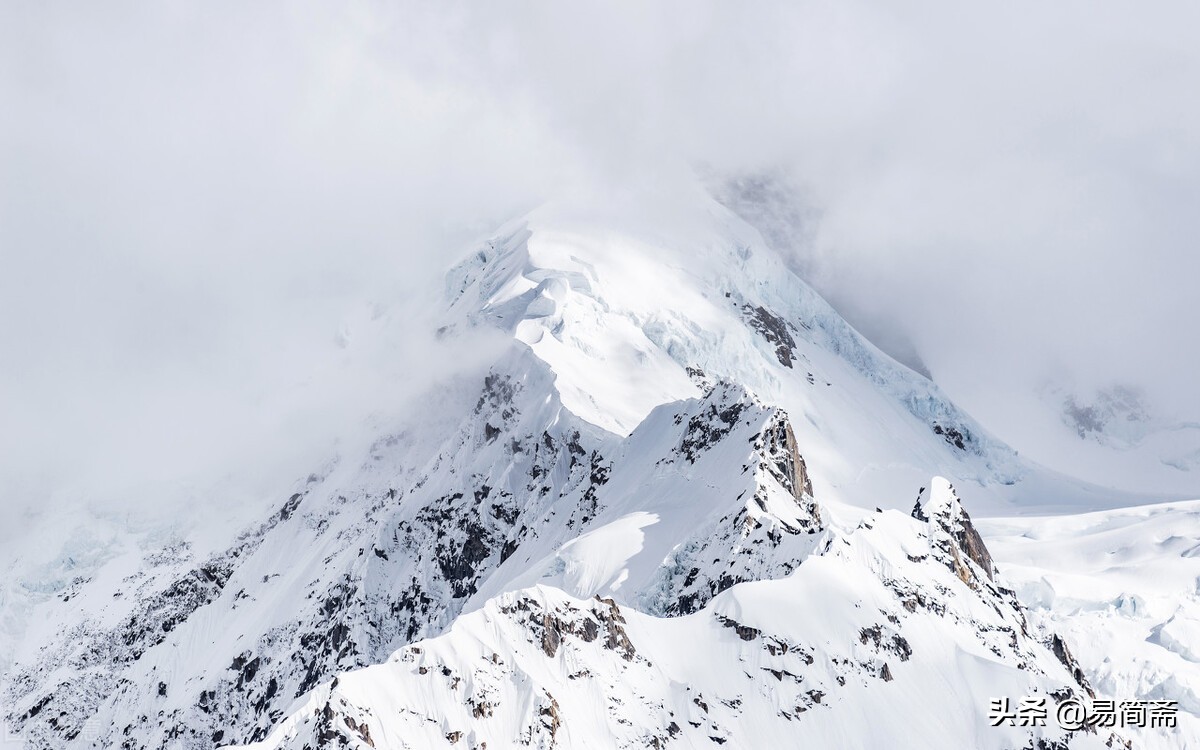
(194,197)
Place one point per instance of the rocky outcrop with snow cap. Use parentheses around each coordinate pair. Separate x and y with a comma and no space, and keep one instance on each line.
(951,526)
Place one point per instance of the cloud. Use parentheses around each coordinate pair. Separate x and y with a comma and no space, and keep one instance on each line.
(195,202)
(196,197)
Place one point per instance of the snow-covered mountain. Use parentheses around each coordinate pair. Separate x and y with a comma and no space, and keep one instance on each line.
(894,619)
(1113,433)
(1116,425)
(677,511)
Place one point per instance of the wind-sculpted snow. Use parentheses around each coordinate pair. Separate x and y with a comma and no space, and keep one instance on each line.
(872,642)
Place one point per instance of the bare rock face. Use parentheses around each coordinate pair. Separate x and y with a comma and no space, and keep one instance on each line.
(762,532)
(1059,648)
(777,443)
(774,329)
(941,508)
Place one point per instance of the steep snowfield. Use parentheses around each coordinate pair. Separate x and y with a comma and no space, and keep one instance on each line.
(621,317)
(679,427)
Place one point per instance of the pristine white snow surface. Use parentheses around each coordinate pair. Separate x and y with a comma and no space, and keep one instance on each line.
(1123,587)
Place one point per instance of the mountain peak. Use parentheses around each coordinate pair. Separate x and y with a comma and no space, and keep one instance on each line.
(940,507)
(630,313)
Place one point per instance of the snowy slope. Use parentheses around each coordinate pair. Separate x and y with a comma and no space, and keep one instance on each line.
(634,318)
(1111,433)
(1123,587)
(340,576)
(679,426)
(884,623)
(631,311)
(696,487)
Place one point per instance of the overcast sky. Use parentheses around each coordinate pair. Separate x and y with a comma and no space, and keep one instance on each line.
(194,196)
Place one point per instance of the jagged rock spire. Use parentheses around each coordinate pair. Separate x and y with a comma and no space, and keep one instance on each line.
(941,508)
